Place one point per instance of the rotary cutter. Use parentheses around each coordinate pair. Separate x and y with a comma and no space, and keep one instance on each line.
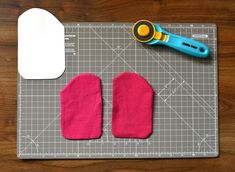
(152,34)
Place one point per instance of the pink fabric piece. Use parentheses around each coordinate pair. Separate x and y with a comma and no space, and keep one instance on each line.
(132,106)
(81,108)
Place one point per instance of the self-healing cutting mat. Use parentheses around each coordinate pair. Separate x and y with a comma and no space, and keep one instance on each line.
(185,119)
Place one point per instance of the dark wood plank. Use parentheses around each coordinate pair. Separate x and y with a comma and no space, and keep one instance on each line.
(211,11)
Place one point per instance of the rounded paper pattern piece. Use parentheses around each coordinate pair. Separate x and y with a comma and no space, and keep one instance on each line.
(132,106)
(41,47)
(81,108)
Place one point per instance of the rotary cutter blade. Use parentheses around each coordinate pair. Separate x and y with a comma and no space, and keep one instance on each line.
(152,34)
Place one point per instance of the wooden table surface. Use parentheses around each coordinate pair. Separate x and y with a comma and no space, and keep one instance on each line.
(215,11)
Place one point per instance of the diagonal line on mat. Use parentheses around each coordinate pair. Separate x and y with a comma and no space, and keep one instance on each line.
(98,35)
(179,83)
(177,112)
(177,74)
(110,104)
(101,72)
(182,79)
(40,133)
(186,123)
(109,122)
(118,54)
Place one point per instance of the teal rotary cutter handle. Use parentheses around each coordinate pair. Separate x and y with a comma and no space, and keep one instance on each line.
(152,34)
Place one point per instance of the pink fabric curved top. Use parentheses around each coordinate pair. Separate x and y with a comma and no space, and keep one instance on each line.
(132,106)
(81,108)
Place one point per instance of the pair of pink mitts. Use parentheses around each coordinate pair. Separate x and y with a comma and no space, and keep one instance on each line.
(81,107)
